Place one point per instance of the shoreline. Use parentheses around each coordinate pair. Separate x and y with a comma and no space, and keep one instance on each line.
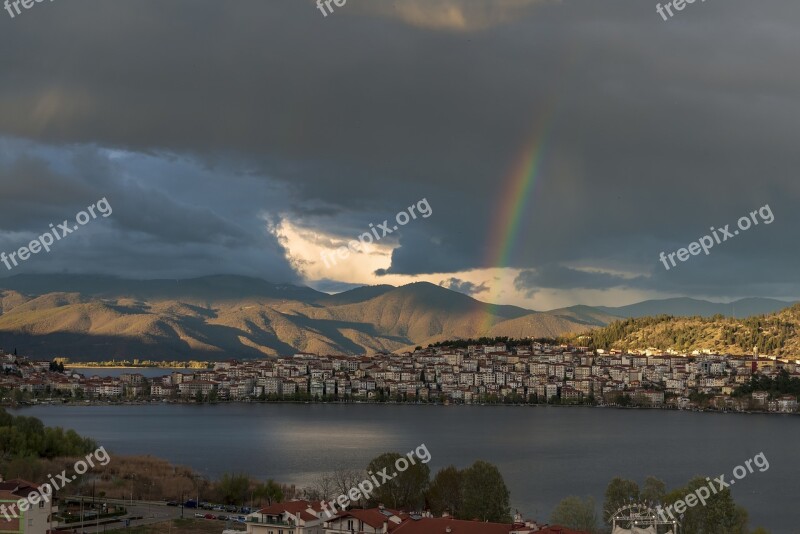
(92,403)
(106,367)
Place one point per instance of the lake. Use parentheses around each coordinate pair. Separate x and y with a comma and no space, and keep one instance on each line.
(544,453)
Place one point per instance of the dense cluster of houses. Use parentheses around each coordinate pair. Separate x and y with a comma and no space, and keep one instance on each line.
(304,517)
(473,374)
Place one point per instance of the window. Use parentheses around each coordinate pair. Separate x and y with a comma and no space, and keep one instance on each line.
(349,524)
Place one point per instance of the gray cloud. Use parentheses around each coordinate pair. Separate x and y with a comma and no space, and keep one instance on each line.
(464,286)
(653,131)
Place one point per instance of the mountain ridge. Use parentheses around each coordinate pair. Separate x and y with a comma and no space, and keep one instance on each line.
(86,317)
(227,316)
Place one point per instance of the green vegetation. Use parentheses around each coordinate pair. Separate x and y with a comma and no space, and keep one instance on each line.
(30,450)
(720,515)
(484,494)
(444,492)
(233,488)
(577,514)
(477,492)
(22,436)
(509,341)
(404,491)
(238,488)
(783,384)
(270,491)
(771,334)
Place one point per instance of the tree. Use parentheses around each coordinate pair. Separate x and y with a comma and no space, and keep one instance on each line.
(575,513)
(233,488)
(485,495)
(619,492)
(407,489)
(653,490)
(344,480)
(323,489)
(270,490)
(444,494)
(720,515)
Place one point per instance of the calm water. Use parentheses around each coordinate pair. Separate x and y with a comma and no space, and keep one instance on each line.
(544,454)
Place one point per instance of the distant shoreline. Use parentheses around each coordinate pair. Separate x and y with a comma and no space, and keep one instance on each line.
(390,403)
(106,367)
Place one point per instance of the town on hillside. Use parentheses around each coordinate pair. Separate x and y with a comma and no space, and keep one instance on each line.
(535,373)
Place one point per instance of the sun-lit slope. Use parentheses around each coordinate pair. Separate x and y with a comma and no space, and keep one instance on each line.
(586,314)
(776,333)
(11,299)
(416,312)
(537,325)
(216,323)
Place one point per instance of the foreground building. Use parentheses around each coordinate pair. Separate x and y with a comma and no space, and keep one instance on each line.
(304,517)
(36,520)
(291,517)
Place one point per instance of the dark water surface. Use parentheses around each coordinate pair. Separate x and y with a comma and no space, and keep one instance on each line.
(545,454)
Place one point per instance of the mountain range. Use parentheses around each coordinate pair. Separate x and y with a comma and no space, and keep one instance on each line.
(88,317)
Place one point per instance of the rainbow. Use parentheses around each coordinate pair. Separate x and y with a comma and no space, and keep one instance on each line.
(511,206)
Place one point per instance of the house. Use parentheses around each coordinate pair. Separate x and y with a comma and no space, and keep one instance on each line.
(290,517)
(37,519)
(193,387)
(760,398)
(787,404)
(384,521)
(370,521)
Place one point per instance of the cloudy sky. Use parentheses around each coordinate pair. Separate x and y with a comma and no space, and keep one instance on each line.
(561,145)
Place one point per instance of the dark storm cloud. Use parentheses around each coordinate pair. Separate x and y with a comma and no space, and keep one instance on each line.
(558,277)
(157,226)
(654,130)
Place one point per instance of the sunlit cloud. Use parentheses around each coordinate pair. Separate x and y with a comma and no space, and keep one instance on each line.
(453,15)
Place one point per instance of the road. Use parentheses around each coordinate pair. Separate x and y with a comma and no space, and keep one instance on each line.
(150,513)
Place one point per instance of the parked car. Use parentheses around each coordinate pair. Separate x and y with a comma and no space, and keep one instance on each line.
(210,516)
(222,517)
(190,504)
(172,503)
(200,516)
(231,509)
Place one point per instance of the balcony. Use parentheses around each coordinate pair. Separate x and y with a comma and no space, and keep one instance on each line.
(269,521)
